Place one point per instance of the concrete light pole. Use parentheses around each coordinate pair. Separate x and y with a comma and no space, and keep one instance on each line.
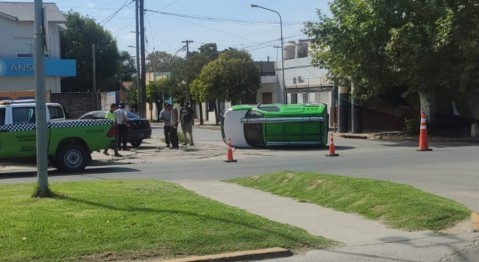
(40,106)
(285,98)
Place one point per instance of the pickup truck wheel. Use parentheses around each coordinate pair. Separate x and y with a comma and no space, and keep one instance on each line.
(71,158)
(136,143)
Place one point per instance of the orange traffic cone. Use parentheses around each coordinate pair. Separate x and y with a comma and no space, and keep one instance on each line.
(331,147)
(229,155)
(423,141)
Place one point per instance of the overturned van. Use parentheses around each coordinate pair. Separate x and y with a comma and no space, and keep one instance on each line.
(275,125)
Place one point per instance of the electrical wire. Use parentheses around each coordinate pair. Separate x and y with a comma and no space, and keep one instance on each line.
(109,18)
(218,19)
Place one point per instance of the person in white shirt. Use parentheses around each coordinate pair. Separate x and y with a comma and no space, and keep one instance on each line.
(121,121)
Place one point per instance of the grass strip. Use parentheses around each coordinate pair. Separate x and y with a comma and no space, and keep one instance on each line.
(130,219)
(396,205)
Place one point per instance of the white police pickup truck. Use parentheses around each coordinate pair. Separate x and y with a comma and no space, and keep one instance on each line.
(70,142)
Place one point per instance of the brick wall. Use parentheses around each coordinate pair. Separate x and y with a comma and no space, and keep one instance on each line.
(76,104)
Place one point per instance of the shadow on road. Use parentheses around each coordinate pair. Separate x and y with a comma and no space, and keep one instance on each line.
(57,173)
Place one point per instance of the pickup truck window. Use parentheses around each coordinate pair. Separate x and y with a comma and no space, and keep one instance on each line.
(23,115)
(2,116)
(56,113)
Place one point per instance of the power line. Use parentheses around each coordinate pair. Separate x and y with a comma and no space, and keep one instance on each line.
(218,19)
(109,18)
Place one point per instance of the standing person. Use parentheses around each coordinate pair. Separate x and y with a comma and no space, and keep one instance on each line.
(165,116)
(121,121)
(187,116)
(174,127)
(111,115)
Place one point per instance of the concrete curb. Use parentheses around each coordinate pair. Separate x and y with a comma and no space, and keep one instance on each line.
(275,252)
(399,136)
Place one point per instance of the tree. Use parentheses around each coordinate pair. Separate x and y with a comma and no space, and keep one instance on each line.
(128,70)
(195,61)
(77,43)
(210,50)
(157,91)
(182,71)
(160,61)
(126,74)
(232,76)
(413,44)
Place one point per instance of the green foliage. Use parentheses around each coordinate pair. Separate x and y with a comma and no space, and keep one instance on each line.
(182,70)
(128,69)
(131,220)
(210,50)
(158,89)
(411,126)
(427,46)
(399,206)
(232,76)
(132,95)
(198,90)
(76,43)
(160,61)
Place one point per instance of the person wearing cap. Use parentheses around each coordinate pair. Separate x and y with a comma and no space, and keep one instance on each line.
(165,116)
(111,116)
(122,131)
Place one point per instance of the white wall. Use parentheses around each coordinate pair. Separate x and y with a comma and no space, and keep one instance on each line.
(11,30)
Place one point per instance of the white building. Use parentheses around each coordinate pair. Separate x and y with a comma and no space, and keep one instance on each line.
(304,83)
(17,46)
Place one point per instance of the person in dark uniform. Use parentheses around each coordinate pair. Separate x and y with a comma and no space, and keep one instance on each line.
(187,116)
(174,121)
(165,116)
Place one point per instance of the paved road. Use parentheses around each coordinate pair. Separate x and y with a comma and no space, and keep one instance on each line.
(450,170)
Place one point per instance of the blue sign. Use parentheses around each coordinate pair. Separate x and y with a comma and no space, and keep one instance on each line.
(24,67)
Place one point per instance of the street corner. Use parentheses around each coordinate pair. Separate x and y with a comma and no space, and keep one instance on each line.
(150,153)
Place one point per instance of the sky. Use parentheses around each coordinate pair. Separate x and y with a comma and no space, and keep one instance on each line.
(228,23)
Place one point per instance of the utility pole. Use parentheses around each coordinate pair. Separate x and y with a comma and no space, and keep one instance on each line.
(187,42)
(93,54)
(40,104)
(137,47)
(143,59)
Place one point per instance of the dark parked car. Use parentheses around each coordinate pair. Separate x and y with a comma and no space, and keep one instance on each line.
(138,128)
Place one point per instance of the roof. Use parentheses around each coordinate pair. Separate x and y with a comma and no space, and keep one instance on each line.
(24,12)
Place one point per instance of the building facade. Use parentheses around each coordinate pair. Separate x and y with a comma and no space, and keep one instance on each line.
(17,47)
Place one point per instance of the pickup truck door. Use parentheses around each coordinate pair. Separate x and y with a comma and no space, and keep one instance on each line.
(3,135)
(18,139)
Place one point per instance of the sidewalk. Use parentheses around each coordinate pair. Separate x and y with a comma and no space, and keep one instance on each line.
(362,239)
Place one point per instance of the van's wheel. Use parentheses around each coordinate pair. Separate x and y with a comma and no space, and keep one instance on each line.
(136,143)
(71,158)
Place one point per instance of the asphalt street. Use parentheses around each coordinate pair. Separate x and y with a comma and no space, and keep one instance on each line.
(449,170)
